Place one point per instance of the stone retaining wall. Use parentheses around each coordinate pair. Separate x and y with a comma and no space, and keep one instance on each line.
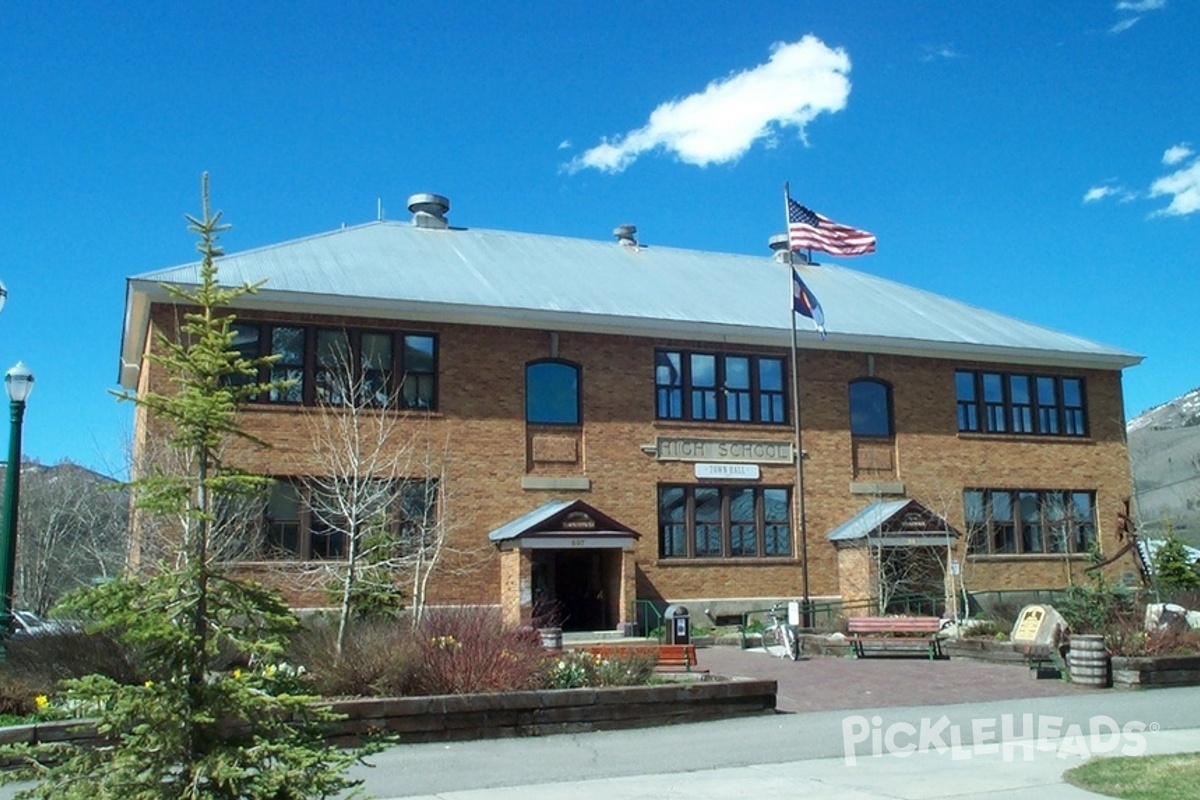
(480,716)
(1152,672)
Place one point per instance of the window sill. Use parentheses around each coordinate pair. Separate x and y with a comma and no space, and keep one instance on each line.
(993,558)
(1025,437)
(702,424)
(717,561)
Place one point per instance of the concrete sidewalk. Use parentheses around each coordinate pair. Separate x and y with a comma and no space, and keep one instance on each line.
(927,775)
(846,748)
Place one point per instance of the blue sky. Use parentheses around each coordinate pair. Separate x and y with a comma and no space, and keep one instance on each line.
(1036,159)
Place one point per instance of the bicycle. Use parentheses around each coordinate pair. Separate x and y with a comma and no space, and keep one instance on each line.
(783,633)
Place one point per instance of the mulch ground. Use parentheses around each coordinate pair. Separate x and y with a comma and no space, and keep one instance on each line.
(829,683)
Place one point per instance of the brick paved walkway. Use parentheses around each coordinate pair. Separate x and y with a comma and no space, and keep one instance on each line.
(826,683)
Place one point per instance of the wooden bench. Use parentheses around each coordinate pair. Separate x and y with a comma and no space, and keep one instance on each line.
(667,657)
(895,636)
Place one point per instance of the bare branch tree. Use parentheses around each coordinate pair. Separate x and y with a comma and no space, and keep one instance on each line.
(378,491)
(73,531)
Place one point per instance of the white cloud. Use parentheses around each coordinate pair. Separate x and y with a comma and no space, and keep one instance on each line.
(800,81)
(1097,193)
(1184,188)
(565,144)
(1177,153)
(1138,6)
(944,51)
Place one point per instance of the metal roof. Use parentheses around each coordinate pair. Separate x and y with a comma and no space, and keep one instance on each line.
(868,520)
(398,270)
(512,530)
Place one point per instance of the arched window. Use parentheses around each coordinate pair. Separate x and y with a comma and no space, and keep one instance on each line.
(552,393)
(870,408)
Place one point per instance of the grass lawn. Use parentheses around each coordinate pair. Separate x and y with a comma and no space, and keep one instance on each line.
(1172,777)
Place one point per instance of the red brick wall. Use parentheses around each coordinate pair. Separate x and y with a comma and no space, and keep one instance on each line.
(480,426)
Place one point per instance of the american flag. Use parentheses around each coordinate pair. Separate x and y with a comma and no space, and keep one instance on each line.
(809,230)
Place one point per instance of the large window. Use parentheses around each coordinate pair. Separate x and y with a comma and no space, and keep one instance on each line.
(724,522)
(552,393)
(1044,405)
(308,521)
(328,365)
(870,408)
(1029,522)
(719,387)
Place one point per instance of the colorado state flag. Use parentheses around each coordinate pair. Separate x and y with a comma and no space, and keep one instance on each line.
(805,302)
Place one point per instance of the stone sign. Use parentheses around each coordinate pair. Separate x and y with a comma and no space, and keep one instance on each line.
(1038,626)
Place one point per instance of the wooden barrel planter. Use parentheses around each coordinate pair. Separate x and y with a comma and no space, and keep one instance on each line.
(552,638)
(1087,660)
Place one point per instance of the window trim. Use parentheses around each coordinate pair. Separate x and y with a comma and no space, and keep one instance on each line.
(763,524)
(681,390)
(577,371)
(979,412)
(1078,535)
(307,523)
(889,410)
(310,369)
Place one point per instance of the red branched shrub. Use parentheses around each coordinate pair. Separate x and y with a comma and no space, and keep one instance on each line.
(467,650)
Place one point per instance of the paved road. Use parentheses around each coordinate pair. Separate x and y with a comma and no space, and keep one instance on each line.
(834,744)
(855,723)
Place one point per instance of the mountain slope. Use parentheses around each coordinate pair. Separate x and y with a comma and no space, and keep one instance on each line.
(1164,448)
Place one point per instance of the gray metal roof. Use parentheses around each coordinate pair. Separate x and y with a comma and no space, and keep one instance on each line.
(511,530)
(867,520)
(398,270)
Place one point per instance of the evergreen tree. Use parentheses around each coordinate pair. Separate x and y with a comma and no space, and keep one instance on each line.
(1174,570)
(195,730)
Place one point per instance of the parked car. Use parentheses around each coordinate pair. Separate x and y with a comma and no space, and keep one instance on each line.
(27,623)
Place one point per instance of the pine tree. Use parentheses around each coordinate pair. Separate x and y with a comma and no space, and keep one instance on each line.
(1173,569)
(195,730)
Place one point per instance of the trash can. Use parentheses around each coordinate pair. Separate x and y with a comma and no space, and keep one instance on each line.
(678,624)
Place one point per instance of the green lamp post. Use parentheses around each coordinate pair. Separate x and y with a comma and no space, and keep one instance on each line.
(19,383)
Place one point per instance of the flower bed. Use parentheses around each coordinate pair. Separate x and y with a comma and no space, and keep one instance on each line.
(504,714)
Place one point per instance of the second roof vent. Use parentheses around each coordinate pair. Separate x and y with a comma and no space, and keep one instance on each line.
(429,210)
(626,235)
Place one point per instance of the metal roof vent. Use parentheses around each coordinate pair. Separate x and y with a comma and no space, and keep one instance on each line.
(779,245)
(429,210)
(626,235)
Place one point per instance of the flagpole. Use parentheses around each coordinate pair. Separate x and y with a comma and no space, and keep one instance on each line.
(806,620)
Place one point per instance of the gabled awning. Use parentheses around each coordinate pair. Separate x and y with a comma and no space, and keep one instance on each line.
(563,525)
(894,523)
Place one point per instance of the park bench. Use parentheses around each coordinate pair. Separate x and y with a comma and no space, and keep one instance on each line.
(667,657)
(895,636)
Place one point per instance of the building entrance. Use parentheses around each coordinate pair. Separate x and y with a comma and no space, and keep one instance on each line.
(576,589)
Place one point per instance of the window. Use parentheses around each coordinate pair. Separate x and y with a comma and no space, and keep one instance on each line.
(308,522)
(287,345)
(386,368)
(1043,405)
(552,393)
(870,408)
(712,522)
(1029,522)
(715,387)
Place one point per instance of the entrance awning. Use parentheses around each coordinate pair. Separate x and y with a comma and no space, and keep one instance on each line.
(563,525)
(894,523)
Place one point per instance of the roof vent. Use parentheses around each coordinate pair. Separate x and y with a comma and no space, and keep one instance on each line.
(626,235)
(429,210)
(779,245)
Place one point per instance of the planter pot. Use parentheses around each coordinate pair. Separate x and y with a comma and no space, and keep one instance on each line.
(551,638)
(1087,660)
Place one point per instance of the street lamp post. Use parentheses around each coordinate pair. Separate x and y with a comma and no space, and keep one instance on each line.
(19,383)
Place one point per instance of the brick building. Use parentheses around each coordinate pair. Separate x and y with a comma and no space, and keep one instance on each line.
(615,422)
